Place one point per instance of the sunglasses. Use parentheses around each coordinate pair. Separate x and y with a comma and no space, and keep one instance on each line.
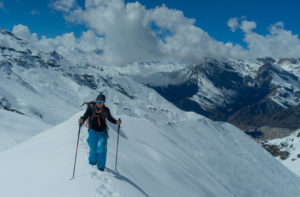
(99,101)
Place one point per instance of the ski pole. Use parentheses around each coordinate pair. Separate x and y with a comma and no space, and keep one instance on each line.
(76,151)
(117,147)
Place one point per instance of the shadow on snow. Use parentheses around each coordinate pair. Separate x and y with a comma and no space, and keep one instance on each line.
(123,178)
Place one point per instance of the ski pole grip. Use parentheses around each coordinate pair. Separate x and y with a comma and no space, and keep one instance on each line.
(119,124)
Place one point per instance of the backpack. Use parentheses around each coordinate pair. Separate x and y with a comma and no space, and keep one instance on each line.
(91,106)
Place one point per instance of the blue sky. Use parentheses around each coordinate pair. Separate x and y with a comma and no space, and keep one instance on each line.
(37,15)
(211,16)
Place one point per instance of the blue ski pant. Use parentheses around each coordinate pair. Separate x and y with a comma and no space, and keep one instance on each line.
(98,148)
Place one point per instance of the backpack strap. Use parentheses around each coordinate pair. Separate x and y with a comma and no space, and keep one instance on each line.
(90,106)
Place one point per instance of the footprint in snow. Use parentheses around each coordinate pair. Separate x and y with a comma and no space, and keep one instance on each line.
(106,188)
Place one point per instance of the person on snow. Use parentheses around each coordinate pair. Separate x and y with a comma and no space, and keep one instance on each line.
(97,113)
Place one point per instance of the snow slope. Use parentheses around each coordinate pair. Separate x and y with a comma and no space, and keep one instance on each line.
(36,90)
(44,97)
(16,128)
(194,157)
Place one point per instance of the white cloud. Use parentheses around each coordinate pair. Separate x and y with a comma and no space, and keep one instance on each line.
(35,12)
(276,28)
(233,23)
(129,33)
(186,42)
(247,26)
(23,32)
(67,42)
(278,43)
(63,5)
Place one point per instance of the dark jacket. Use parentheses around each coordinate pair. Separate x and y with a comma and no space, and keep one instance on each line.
(97,121)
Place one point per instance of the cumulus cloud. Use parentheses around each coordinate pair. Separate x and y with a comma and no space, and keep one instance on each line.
(126,31)
(233,23)
(247,26)
(67,41)
(186,42)
(23,32)
(85,49)
(132,33)
(121,33)
(279,42)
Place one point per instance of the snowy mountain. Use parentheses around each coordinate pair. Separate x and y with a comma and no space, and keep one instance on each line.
(251,94)
(35,88)
(291,65)
(163,151)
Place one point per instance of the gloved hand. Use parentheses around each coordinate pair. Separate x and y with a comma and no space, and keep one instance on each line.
(80,121)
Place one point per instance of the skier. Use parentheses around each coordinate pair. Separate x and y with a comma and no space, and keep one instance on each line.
(97,113)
